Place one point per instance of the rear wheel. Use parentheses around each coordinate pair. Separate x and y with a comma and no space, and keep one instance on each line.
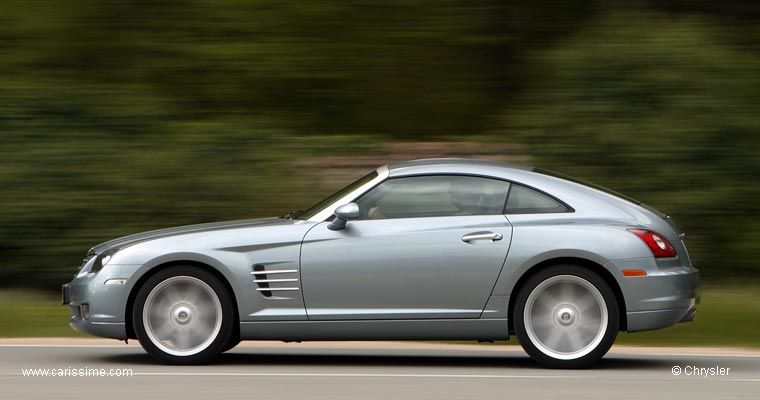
(566,316)
(183,315)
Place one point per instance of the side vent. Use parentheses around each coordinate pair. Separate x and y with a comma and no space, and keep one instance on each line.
(282,281)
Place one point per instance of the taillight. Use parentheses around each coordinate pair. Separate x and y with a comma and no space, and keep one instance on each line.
(657,243)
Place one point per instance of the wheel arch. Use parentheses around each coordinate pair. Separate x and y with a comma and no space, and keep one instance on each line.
(154,270)
(598,269)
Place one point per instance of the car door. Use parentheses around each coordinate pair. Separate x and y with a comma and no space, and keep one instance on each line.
(423,247)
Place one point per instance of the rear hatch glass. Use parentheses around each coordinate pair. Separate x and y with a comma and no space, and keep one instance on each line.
(611,192)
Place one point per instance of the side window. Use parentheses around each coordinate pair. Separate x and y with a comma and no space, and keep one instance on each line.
(434,196)
(523,200)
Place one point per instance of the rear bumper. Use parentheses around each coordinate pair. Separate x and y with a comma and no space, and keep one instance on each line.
(663,298)
(656,319)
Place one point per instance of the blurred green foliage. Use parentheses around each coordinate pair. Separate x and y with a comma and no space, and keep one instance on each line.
(33,313)
(123,116)
(663,108)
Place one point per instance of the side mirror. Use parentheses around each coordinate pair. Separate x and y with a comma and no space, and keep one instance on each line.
(344,214)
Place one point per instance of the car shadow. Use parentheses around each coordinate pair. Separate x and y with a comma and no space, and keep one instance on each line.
(346,359)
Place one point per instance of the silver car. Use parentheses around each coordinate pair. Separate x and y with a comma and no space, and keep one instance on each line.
(441,249)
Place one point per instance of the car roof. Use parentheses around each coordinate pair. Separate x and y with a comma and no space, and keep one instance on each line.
(579,196)
(445,163)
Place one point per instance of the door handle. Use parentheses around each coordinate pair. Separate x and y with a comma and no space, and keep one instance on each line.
(492,236)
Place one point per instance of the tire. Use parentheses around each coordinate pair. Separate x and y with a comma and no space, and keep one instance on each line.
(183,315)
(232,342)
(566,316)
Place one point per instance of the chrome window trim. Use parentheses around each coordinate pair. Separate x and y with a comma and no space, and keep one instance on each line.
(327,212)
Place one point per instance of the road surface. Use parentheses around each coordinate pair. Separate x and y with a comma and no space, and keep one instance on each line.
(369,370)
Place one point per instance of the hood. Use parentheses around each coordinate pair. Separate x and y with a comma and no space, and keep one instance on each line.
(125,241)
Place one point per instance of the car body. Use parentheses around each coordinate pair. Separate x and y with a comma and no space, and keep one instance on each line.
(401,254)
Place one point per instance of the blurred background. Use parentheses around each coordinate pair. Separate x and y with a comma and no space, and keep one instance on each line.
(123,116)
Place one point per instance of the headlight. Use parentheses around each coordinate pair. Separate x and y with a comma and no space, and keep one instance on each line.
(102,260)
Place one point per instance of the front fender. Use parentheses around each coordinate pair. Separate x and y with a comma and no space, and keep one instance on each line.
(233,253)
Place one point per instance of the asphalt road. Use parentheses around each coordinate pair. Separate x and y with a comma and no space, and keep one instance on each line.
(373,371)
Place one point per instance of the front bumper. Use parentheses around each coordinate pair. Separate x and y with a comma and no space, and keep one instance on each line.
(66,294)
(98,308)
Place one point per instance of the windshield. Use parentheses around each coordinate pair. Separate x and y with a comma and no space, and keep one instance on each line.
(313,210)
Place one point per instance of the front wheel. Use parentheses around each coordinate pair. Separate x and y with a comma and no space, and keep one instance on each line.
(183,315)
(566,316)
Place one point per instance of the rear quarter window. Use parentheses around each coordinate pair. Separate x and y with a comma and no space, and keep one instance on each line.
(524,200)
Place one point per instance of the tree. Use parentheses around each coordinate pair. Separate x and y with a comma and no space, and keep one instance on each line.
(656,106)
